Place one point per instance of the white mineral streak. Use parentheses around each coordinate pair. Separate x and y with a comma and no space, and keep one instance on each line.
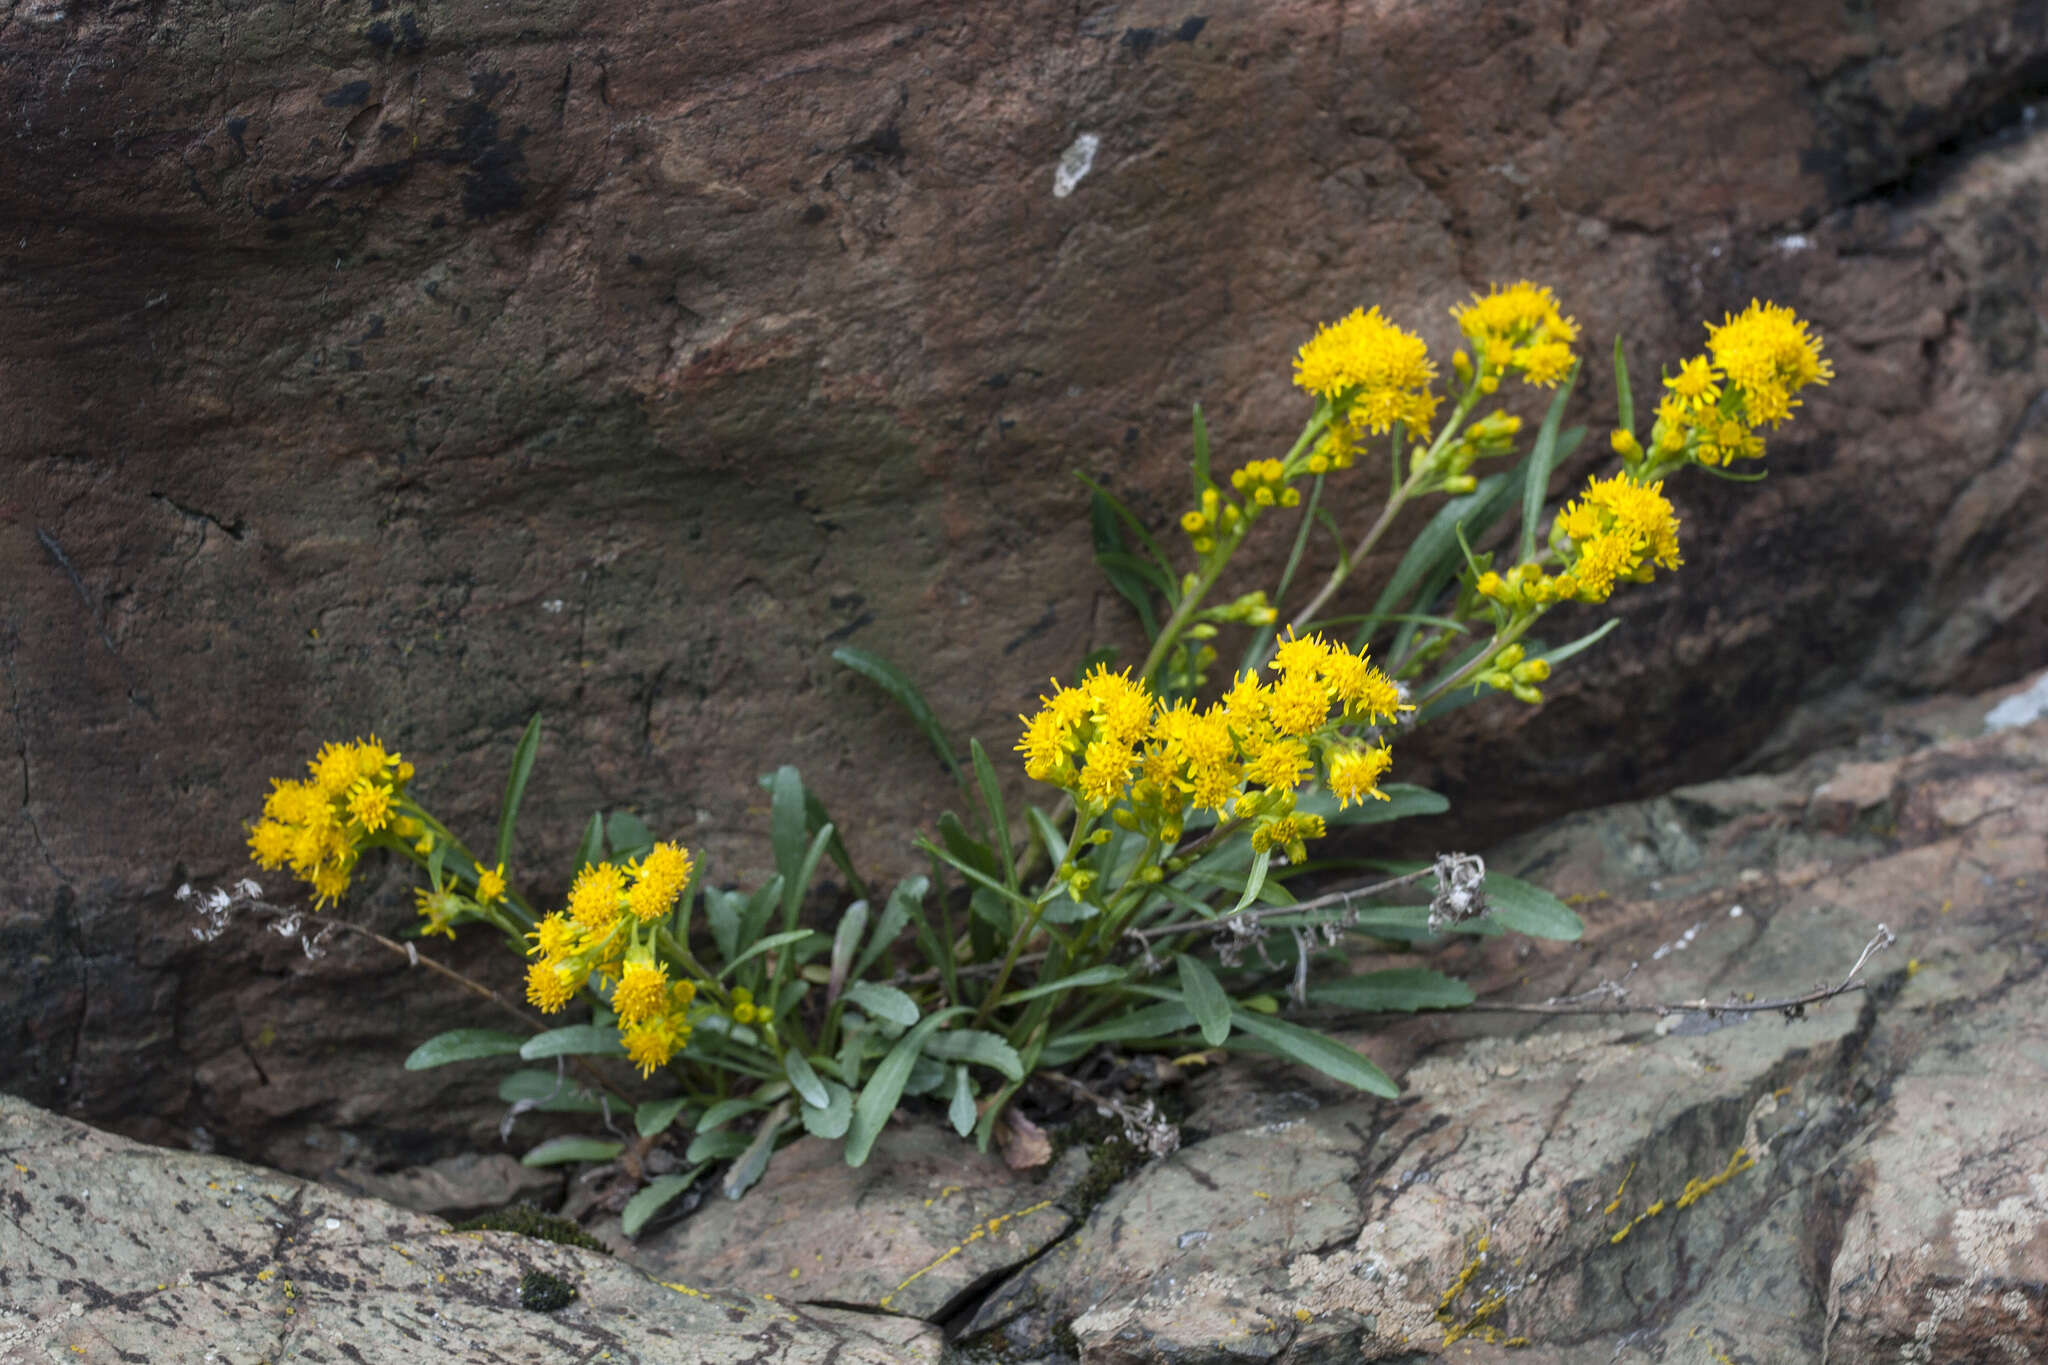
(1075,163)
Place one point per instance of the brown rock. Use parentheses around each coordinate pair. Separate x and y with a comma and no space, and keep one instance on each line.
(421,368)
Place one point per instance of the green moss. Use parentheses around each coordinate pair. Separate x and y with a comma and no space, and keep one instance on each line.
(528,1221)
(544,1293)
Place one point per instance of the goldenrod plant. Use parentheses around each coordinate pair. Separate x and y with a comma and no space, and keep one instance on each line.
(1150,905)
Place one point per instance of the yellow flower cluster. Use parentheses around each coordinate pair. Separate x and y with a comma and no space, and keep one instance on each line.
(1712,408)
(1215,518)
(1373,373)
(1263,484)
(318,826)
(1516,328)
(1110,740)
(607,932)
(1618,530)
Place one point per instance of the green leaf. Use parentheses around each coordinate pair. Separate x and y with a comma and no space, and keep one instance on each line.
(563,1150)
(628,835)
(1101,975)
(1404,800)
(1584,642)
(1055,843)
(577,1040)
(878,1097)
(591,846)
(1542,459)
(966,851)
(1624,401)
(976,1046)
(998,813)
(1404,989)
(768,944)
(725,1111)
(717,1146)
(803,1079)
(550,1093)
(1129,519)
(515,787)
(723,911)
(1149,1024)
(895,916)
(1530,909)
(1065,910)
(1436,545)
(853,922)
(904,693)
(656,1196)
(751,1162)
(830,1121)
(1205,999)
(653,1118)
(883,1002)
(462,1045)
(1312,1049)
(793,893)
(961,1110)
(1254,881)
(760,907)
(786,829)
(435,860)
(927,1075)
(1200,465)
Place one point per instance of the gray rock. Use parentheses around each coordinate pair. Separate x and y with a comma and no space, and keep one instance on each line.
(912,1231)
(1867,1181)
(114,1250)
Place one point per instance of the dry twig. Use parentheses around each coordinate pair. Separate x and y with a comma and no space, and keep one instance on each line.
(1617,1001)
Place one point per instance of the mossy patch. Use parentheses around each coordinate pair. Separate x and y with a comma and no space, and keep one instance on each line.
(544,1293)
(528,1221)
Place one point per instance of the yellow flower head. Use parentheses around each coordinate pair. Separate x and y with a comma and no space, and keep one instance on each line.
(1379,373)
(294,803)
(552,982)
(1619,527)
(1520,328)
(651,1042)
(1279,764)
(1696,387)
(595,895)
(1300,654)
(1289,833)
(642,991)
(334,768)
(1300,704)
(554,936)
(371,758)
(270,843)
(1767,350)
(1355,773)
(369,804)
(442,910)
(330,883)
(657,880)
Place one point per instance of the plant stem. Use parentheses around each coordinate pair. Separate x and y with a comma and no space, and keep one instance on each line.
(1184,610)
(1502,639)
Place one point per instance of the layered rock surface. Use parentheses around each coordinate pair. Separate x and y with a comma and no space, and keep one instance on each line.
(414,368)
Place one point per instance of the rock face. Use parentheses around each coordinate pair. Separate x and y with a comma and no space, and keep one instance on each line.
(123,1252)
(417,368)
